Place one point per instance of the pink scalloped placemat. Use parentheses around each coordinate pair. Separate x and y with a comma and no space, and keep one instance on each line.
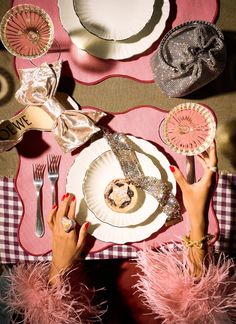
(87,69)
(36,145)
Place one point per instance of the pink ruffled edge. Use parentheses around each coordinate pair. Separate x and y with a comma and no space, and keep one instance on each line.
(30,295)
(171,293)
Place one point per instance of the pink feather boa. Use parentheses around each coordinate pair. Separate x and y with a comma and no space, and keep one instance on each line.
(169,291)
(30,295)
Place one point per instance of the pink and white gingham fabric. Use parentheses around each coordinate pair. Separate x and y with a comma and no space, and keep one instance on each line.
(224,203)
(10,214)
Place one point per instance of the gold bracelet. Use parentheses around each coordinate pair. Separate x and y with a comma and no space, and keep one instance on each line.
(198,244)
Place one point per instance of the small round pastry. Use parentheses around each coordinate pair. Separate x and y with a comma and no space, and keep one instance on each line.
(121,195)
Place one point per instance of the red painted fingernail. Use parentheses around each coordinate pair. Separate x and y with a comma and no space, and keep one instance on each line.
(172,168)
(73,198)
(86,225)
(63,197)
(54,206)
(67,195)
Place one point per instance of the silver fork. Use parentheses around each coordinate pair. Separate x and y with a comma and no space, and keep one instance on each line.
(53,162)
(38,172)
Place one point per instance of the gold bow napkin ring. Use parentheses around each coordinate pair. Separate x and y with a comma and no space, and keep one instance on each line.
(68,224)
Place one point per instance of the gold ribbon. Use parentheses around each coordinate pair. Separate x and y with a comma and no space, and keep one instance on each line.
(71,128)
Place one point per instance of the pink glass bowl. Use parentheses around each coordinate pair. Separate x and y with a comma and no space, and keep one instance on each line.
(189,129)
(27,31)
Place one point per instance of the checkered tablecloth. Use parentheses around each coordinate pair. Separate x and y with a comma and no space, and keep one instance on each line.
(224,203)
(10,214)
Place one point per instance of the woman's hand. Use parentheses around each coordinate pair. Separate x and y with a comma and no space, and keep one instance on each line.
(66,247)
(196,196)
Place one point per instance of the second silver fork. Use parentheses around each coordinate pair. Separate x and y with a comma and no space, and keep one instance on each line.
(53,162)
(38,172)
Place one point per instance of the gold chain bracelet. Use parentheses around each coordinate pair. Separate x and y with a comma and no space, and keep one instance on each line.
(198,244)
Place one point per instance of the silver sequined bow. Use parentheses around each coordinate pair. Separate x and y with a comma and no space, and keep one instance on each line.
(123,149)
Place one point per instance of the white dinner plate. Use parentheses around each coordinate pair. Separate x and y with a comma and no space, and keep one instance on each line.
(112,19)
(99,229)
(100,173)
(114,49)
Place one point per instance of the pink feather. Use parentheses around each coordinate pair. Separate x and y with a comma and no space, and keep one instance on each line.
(169,291)
(31,296)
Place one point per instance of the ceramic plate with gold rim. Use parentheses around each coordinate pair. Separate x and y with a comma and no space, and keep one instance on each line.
(114,49)
(103,231)
(100,173)
(112,19)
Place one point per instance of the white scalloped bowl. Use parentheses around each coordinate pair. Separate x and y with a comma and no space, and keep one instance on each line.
(100,173)
(112,19)
(114,49)
(104,231)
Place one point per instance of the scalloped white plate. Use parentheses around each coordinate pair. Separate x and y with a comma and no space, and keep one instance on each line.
(104,231)
(114,49)
(112,19)
(102,171)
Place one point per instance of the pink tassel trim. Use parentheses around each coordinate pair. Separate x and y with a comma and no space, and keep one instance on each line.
(169,291)
(31,296)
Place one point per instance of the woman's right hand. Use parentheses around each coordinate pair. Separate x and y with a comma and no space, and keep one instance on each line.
(66,246)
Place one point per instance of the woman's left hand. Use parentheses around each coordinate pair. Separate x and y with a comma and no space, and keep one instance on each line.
(66,246)
(196,196)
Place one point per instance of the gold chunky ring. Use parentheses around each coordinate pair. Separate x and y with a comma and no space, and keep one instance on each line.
(213,168)
(68,224)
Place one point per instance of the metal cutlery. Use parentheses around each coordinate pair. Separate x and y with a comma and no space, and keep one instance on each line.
(38,172)
(53,162)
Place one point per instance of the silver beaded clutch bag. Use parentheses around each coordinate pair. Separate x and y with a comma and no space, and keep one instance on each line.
(188,57)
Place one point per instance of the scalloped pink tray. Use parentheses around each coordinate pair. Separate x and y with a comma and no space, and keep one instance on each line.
(36,145)
(88,69)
